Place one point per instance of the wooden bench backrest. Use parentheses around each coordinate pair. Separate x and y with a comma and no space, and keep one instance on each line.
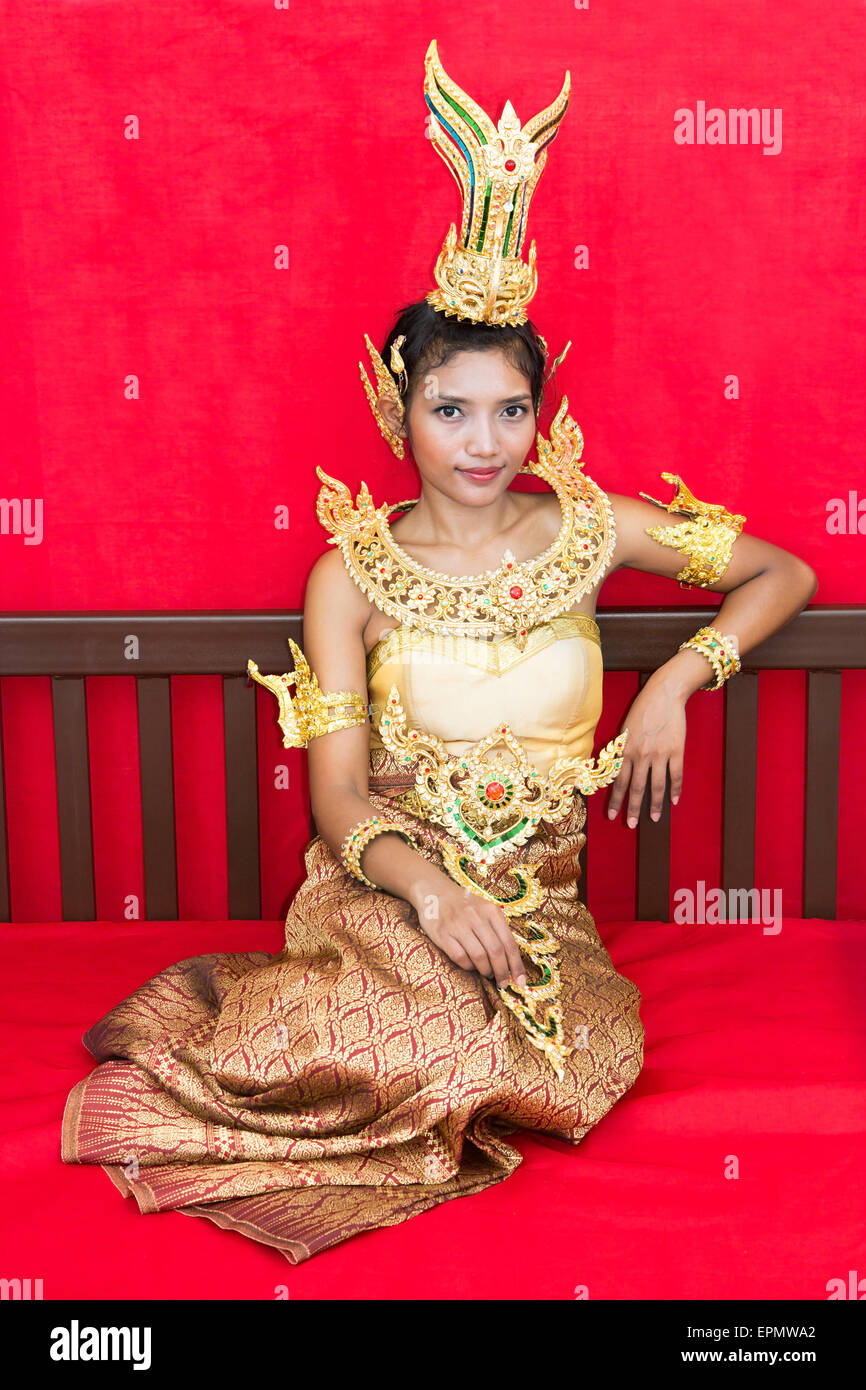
(823,641)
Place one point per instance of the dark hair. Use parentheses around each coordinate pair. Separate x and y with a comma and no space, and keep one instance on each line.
(433,338)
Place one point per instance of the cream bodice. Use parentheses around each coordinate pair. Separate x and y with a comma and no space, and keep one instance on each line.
(463,688)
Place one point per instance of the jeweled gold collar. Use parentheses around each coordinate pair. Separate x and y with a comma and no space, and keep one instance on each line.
(509,599)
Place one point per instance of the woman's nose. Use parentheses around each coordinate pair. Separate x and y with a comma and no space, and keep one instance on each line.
(483,440)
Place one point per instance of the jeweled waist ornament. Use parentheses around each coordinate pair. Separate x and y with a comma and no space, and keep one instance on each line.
(491,798)
(490,805)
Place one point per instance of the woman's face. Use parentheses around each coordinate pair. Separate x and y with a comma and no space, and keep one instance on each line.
(475,413)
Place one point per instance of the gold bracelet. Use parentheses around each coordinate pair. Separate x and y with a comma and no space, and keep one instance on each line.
(721,652)
(357,839)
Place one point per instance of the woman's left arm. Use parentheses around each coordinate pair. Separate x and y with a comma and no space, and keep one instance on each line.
(764,587)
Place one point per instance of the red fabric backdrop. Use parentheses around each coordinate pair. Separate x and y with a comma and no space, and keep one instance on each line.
(156,158)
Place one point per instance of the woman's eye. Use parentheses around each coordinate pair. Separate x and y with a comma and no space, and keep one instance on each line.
(521,410)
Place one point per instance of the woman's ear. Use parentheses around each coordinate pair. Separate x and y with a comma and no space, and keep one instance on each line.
(392,415)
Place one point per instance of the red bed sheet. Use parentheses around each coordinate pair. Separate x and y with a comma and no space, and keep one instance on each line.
(755,1063)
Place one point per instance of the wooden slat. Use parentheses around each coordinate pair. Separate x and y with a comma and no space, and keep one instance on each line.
(74,821)
(653,853)
(242,798)
(157,798)
(821,822)
(740,782)
(5,901)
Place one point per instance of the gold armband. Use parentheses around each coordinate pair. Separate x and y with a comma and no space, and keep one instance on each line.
(721,652)
(705,539)
(360,836)
(310,712)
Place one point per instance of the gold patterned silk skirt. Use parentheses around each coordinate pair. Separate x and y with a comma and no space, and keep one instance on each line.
(359,1077)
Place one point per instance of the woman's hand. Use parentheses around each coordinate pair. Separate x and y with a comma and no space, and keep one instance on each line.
(473,932)
(656,741)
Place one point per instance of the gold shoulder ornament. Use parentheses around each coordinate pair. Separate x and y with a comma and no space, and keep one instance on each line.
(706,538)
(508,600)
(310,712)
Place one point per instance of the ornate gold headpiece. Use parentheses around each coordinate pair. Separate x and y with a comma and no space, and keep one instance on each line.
(483,276)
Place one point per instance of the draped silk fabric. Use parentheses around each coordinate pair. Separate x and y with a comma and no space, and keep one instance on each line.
(360,1077)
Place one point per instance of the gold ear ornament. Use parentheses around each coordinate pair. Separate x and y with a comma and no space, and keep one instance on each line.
(399,366)
(387,389)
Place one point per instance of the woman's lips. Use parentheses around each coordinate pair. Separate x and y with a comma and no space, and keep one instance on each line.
(479,475)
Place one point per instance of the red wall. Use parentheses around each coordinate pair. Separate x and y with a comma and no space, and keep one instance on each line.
(261,127)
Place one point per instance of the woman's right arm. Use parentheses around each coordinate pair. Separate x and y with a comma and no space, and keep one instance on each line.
(473,932)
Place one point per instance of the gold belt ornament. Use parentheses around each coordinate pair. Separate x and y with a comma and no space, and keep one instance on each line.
(490,806)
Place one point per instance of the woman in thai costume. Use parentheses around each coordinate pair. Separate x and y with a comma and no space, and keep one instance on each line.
(441,985)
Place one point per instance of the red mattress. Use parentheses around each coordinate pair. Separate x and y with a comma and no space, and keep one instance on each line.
(755,1060)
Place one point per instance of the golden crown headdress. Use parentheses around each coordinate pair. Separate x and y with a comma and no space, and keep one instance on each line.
(483,278)
(497,167)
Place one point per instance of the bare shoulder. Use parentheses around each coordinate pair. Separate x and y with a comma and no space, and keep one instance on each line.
(330,579)
(335,612)
(331,590)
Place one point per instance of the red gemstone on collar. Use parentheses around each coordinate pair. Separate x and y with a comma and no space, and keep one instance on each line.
(510,164)
(515,591)
(494,791)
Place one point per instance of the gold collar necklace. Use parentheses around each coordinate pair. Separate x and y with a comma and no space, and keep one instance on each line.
(509,599)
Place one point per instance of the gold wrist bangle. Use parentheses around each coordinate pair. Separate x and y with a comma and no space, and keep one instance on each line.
(720,650)
(707,646)
(357,839)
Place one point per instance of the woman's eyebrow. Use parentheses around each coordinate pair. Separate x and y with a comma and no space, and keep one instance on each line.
(462,400)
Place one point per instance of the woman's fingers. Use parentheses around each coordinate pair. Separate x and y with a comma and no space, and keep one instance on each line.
(632,778)
(619,787)
(676,766)
(481,939)
(455,949)
(657,787)
(635,796)
(494,947)
(515,967)
(477,951)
